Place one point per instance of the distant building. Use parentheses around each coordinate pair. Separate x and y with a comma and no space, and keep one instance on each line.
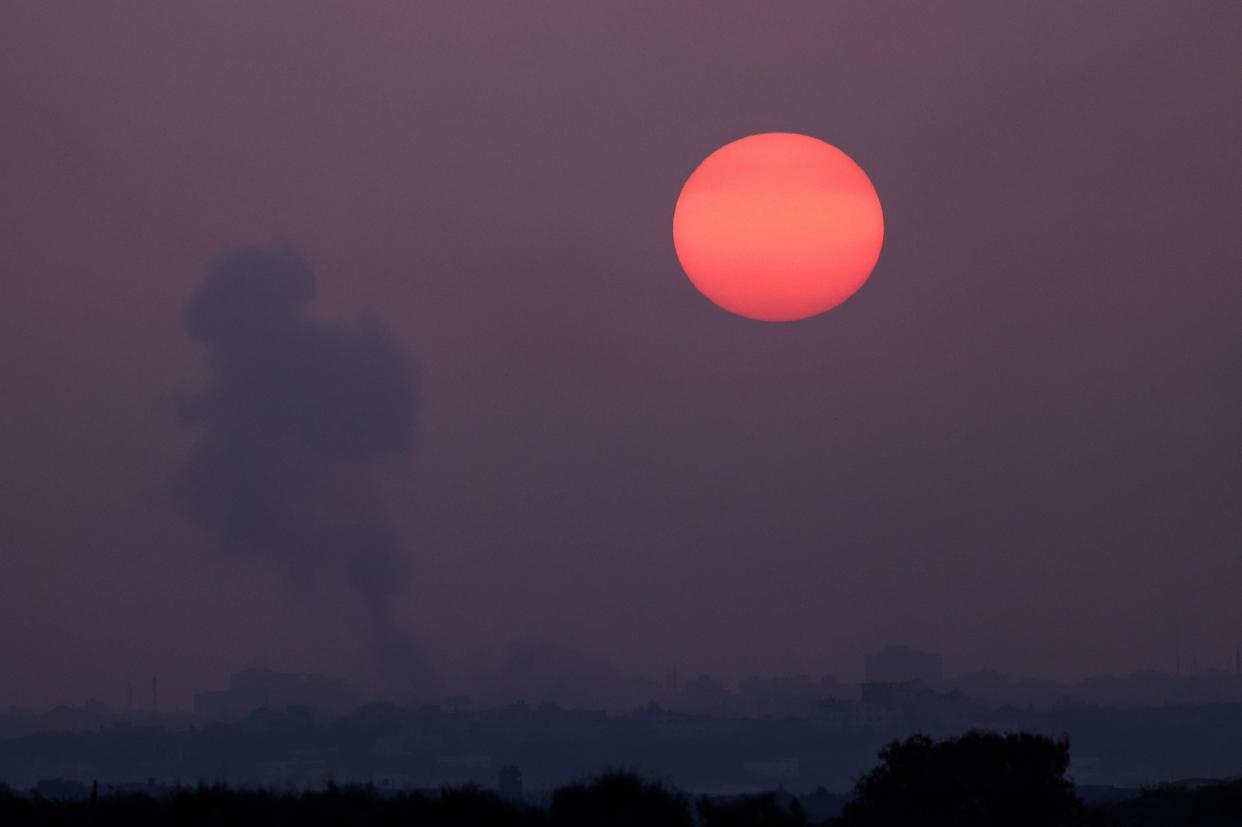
(704,694)
(894,695)
(901,664)
(797,695)
(62,789)
(253,689)
(509,782)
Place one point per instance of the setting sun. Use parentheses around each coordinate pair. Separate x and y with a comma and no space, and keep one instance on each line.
(778,227)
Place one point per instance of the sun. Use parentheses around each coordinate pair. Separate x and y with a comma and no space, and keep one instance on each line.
(778,227)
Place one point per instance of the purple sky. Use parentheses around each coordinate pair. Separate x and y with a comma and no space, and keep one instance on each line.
(1020,444)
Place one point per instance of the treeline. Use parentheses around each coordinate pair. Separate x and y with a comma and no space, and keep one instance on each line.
(981,779)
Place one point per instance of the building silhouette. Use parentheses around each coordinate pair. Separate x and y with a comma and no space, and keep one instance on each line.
(253,689)
(509,783)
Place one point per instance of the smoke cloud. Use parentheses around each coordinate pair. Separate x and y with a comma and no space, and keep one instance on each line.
(294,415)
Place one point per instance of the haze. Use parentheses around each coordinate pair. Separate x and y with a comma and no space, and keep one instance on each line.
(1020,444)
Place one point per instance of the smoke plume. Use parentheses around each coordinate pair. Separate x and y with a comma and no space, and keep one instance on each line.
(295,413)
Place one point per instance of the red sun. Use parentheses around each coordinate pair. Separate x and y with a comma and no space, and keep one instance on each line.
(778,227)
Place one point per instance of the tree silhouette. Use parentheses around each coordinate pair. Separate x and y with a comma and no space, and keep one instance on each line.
(975,780)
(981,778)
(619,799)
(1211,805)
(750,811)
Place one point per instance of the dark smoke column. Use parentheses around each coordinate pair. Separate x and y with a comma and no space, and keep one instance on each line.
(295,412)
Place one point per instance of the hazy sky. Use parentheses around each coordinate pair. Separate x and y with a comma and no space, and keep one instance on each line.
(1020,444)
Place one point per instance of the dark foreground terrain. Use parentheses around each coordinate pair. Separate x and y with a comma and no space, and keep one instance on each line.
(981,778)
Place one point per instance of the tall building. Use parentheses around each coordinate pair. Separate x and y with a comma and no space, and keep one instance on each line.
(509,783)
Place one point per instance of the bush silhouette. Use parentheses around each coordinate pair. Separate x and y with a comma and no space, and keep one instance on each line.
(750,811)
(981,779)
(470,806)
(1214,805)
(978,779)
(619,799)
